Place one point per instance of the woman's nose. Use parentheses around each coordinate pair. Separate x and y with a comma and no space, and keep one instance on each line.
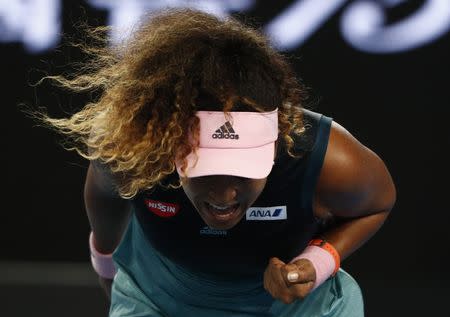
(224,189)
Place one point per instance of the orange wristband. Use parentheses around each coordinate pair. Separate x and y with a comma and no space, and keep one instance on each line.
(328,247)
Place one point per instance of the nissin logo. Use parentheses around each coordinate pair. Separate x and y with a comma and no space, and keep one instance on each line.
(162,209)
(267,213)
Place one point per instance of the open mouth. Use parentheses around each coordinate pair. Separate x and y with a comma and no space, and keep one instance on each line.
(222,213)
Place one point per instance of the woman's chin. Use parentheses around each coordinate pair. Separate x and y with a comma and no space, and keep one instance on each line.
(221,220)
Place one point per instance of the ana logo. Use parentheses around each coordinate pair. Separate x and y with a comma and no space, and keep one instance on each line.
(267,213)
(207,231)
(162,209)
(226,131)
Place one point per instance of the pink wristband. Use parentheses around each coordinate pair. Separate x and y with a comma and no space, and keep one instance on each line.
(103,264)
(322,261)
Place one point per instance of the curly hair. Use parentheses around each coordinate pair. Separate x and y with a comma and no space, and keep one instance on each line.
(178,61)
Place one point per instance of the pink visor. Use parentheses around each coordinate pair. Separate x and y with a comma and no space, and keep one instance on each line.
(241,144)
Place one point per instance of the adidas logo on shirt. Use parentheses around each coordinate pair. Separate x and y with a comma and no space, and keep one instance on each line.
(212,232)
(226,131)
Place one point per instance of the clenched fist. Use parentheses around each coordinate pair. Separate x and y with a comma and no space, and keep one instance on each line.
(288,282)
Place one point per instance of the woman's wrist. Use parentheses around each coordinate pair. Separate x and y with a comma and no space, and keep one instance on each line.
(324,258)
(102,263)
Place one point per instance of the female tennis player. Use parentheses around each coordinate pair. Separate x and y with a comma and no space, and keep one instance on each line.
(211,189)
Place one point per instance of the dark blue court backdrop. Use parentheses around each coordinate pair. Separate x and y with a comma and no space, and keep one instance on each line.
(389,90)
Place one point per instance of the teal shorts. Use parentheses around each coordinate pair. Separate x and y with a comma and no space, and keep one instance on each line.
(337,297)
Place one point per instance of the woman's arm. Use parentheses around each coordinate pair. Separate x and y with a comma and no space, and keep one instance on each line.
(354,195)
(355,190)
(107,212)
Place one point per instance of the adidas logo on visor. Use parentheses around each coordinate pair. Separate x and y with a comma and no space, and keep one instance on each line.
(226,131)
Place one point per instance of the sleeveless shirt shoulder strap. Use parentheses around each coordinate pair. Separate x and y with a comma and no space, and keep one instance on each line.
(316,157)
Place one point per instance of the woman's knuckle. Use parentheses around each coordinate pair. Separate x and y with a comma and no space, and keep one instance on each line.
(287,298)
(300,292)
(303,294)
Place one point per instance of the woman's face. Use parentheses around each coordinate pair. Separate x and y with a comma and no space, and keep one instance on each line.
(222,200)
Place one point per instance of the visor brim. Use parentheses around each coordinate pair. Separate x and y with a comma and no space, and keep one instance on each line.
(254,162)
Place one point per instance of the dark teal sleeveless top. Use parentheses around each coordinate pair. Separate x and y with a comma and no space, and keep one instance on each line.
(282,225)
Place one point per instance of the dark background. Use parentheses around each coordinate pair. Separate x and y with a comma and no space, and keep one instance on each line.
(397,104)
